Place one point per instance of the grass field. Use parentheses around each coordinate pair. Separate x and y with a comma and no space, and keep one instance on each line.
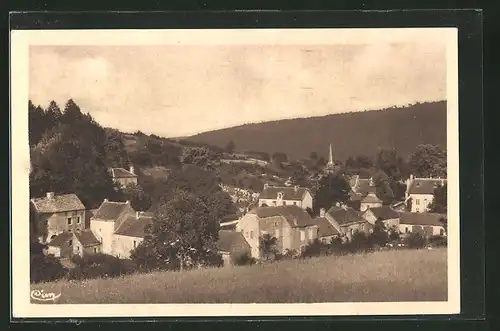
(405,275)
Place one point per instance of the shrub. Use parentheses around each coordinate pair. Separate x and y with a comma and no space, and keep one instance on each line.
(316,248)
(415,240)
(243,259)
(438,241)
(359,242)
(45,268)
(99,265)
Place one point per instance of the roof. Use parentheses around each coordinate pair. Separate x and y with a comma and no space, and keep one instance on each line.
(325,228)
(58,203)
(345,215)
(121,173)
(86,238)
(60,239)
(421,218)
(134,227)
(289,193)
(384,212)
(424,185)
(110,210)
(363,185)
(294,215)
(230,241)
(371,198)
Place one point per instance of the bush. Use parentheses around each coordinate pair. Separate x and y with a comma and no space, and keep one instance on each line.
(415,240)
(45,268)
(243,259)
(438,241)
(316,248)
(99,265)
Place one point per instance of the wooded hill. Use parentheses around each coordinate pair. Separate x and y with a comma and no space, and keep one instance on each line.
(351,134)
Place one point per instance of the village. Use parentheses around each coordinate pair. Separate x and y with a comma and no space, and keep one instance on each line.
(278,212)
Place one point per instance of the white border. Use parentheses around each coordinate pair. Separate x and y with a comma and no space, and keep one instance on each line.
(22,39)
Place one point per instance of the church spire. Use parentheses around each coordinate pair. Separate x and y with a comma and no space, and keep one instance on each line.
(330,159)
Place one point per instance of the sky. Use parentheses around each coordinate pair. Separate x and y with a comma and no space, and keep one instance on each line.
(181,90)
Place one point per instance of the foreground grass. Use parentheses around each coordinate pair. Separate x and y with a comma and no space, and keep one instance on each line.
(406,275)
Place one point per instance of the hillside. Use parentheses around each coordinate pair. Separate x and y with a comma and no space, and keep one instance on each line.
(390,276)
(351,134)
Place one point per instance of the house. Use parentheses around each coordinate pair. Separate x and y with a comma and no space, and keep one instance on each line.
(360,189)
(427,224)
(130,234)
(55,214)
(123,177)
(292,226)
(371,200)
(232,244)
(68,244)
(326,231)
(386,214)
(420,192)
(347,221)
(285,196)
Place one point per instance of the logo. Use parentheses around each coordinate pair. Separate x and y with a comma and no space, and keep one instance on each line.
(40,295)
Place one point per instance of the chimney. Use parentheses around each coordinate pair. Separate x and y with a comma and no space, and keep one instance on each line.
(127,202)
(322,212)
(132,169)
(137,215)
(442,182)
(296,188)
(371,181)
(266,185)
(50,195)
(106,200)
(337,204)
(344,206)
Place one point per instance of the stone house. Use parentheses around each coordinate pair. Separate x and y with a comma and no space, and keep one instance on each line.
(123,177)
(285,196)
(371,200)
(68,244)
(326,231)
(420,192)
(347,221)
(360,189)
(427,224)
(55,214)
(232,244)
(292,226)
(385,214)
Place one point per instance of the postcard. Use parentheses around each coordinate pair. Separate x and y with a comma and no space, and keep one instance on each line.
(235,172)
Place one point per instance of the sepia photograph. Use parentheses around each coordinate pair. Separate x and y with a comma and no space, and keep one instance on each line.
(235,172)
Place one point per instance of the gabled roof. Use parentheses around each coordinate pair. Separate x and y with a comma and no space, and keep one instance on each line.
(371,198)
(384,212)
(121,173)
(294,215)
(230,241)
(421,218)
(111,210)
(345,215)
(61,239)
(289,193)
(86,238)
(133,226)
(58,203)
(424,185)
(325,228)
(361,185)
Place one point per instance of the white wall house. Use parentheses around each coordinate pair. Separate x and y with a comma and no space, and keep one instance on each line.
(286,196)
(420,191)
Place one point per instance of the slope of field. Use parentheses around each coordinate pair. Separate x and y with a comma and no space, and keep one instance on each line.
(405,275)
(351,134)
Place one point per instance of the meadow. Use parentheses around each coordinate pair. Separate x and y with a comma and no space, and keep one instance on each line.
(400,275)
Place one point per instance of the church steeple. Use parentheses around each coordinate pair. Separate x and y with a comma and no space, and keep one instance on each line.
(330,158)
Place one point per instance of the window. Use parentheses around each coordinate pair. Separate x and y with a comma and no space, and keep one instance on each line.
(295,203)
(78,220)
(274,202)
(135,244)
(276,225)
(441,232)
(417,202)
(78,249)
(425,202)
(95,249)
(284,203)
(407,229)
(70,221)
(70,242)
